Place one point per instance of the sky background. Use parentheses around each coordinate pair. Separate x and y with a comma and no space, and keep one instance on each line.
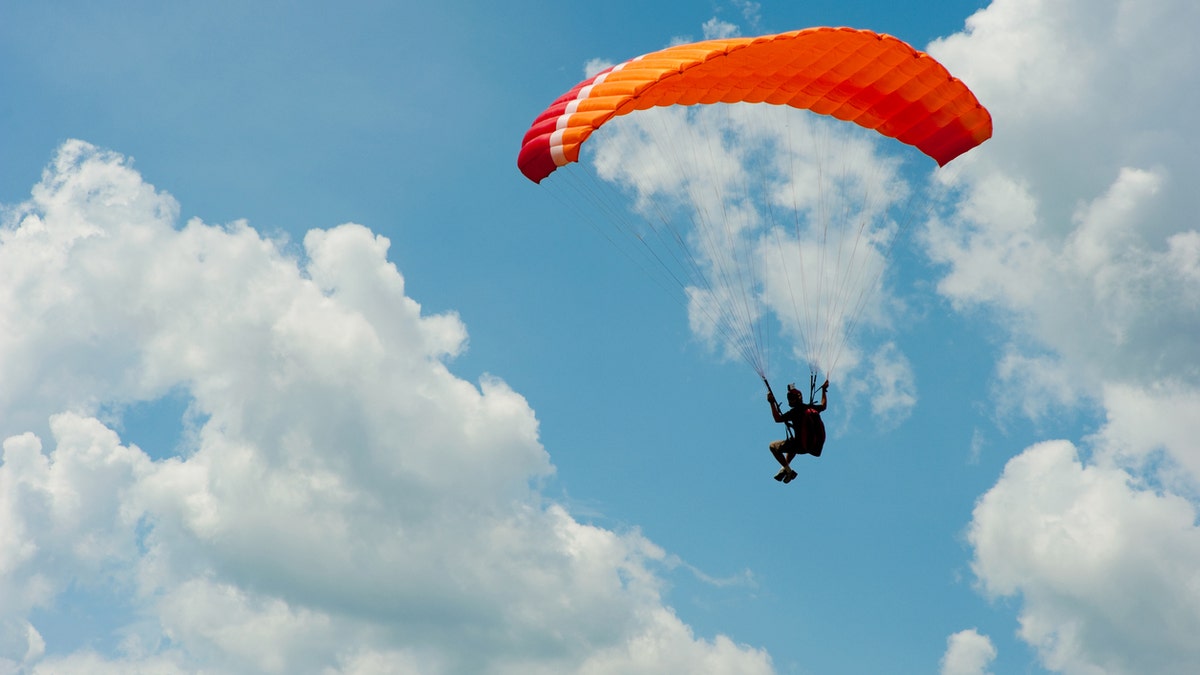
(300,374)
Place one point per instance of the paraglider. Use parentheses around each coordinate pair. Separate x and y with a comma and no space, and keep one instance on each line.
(726,161)
(805,429)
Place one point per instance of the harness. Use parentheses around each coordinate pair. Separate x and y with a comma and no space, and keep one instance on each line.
(814,430)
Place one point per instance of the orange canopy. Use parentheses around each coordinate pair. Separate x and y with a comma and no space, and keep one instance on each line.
(874,80)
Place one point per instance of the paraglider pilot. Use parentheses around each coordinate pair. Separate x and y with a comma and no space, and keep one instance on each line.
(805,430)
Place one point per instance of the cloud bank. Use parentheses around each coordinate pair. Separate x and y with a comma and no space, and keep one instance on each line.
(1077,235)
(339,501)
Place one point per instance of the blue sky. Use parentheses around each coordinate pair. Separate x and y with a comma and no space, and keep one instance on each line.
(302,375)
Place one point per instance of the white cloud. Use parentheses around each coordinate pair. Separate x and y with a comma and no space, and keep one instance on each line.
(892,382)
(968,653)
(715,29)
(1155,430)
(21,645)
(1077,232)
(1105,569)
(319,517)
(1112,305)
(92,663)
(1078,223)
(751,11)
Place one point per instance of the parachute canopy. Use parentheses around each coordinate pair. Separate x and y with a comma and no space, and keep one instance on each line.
(874,80)
(772,219)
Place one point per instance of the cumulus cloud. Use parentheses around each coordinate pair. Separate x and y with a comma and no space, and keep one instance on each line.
(968,653)
(1078,225)
(316,517)
(1076,232)
(1144,424)
(891,380)
(1105,568)
(715,29)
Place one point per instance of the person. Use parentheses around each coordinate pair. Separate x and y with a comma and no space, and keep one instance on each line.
(806,431)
